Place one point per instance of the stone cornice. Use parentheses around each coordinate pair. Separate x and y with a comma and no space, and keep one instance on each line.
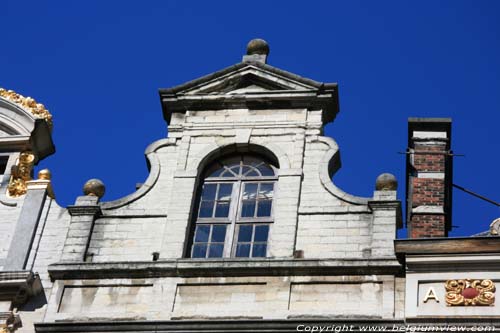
(216,325)
(393,204)
(225,267)
(446,246)
(84,210)
(288,91)
(18,286)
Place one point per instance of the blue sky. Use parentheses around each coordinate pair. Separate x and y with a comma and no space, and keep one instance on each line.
(97,66)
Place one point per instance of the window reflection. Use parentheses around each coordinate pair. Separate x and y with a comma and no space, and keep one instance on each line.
(235,209)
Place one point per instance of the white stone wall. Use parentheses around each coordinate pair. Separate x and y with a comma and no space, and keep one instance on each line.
(10,208)
(131,239)
(229,297)
(334,235)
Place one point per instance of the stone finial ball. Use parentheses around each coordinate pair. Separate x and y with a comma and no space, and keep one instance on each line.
(386,182)
(44,174)
(94,187)
(257,46)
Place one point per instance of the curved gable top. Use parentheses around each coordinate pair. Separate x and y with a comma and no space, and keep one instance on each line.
(251,85)
(25,124)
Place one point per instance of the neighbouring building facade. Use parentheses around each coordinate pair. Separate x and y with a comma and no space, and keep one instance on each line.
(239,227)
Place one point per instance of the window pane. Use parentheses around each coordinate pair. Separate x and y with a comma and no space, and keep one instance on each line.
(245,169)
(252,173)
(266,190)
(225,192)
(217,172)
(265,170)
(235,170)
(199,250)
(261,232)
(202,232)
(264,208)
(222,209)
(248,208)
(245,233)
(3,164)
(208,192)
(259,250)
(250,191)
(219,233)
(216,250)
(206,209)
(243,250)
(232,162)
(228,173)
(249,172)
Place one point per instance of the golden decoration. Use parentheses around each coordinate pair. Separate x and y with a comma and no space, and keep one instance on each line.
(468,292)
(20,174)
(44,174)
(29,104)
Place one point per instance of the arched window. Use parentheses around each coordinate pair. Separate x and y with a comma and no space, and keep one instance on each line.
(235,209)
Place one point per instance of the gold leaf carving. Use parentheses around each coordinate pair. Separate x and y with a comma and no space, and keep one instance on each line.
(20,174)
(29,104)
(469,292)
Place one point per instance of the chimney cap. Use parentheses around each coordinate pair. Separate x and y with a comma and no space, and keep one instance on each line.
(429,125)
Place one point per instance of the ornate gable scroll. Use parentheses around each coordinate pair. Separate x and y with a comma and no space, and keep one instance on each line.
(29,104)
(468,292)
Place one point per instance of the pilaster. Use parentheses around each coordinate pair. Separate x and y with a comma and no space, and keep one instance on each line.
(386,211)
(29,218)
(83,215)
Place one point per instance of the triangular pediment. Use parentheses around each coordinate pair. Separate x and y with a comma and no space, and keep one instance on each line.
(251,85)
(246,79)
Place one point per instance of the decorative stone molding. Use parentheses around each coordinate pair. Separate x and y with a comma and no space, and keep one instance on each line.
(16,287)
(29,104)
(495,227)
(223,267)
(468,292)
(21,173)
(330,163)
(19,286)
(154,174)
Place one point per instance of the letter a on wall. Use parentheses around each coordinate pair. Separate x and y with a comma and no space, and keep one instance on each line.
(431,294)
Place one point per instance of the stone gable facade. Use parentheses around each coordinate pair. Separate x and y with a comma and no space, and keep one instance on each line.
(238,226)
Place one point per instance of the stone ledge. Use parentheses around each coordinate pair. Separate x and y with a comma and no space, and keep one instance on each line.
(18,286)
(213,325)
(224,268)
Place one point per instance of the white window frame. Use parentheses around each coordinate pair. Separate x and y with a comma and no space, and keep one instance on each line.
(234,218)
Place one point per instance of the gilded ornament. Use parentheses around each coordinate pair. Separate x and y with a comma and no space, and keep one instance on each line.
(469,292)
(44,174)
(20,174)
(29,104)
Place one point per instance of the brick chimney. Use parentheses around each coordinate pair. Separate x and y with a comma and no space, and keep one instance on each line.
(428,177)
